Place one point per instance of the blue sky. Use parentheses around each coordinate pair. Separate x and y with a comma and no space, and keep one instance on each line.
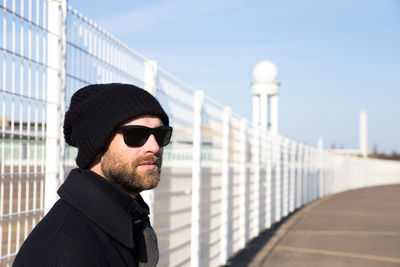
(335,57)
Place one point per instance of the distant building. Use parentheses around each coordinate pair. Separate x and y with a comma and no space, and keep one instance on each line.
(21,141)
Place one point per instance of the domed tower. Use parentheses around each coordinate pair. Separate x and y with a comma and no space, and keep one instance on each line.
(265,88)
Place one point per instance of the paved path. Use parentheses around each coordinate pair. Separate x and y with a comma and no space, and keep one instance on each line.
(355,228)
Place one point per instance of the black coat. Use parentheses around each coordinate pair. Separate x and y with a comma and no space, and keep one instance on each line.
(94,223)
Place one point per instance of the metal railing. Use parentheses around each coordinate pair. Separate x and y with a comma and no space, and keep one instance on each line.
(223,180)
(23,70)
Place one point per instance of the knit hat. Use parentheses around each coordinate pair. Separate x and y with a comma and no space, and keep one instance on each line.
(95,112)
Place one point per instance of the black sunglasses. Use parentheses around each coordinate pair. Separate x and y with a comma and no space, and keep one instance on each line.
(137,135)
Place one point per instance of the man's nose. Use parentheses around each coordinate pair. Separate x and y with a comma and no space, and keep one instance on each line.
(151,145)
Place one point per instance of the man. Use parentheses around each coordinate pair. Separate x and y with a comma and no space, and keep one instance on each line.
(100,218)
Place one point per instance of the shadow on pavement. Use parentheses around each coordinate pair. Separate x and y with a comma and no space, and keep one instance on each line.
(244,257)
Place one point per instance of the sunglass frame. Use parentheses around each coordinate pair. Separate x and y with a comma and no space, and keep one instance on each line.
(156,132)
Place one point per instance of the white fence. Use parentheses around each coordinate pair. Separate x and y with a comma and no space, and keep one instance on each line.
(223,179)
(23,84)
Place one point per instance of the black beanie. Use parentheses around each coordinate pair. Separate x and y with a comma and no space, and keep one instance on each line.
(95,112)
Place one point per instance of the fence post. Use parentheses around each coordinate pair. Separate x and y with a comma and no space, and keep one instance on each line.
(225,187)
(310,174)
(320,168)
(268,180)
(243,184)
(63,82)
(257,180)
(306,175)
(278,178)
(56,11)
(293,172)
(299,184)
(315,177)
(150,76)
(285,187)
(150,85)
(195,248)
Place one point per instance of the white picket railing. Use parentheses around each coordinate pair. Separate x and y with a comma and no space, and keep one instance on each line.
(223,180)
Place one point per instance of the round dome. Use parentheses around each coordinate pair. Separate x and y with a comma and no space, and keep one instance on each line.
(265,71)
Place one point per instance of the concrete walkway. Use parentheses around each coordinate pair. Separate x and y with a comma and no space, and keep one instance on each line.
(355,228)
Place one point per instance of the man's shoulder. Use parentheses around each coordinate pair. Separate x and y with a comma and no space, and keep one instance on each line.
(63,236)
(63,220)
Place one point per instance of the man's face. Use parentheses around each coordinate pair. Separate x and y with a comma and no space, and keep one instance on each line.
(134,169)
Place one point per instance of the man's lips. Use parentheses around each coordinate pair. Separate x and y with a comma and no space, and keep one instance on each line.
(149,165)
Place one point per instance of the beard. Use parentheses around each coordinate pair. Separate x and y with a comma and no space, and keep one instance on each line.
(124,173)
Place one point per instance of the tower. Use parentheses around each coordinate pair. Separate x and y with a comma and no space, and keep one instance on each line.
(265,88)
(363,134)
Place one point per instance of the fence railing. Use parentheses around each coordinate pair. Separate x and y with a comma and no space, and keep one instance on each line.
(223,181)
(23,87)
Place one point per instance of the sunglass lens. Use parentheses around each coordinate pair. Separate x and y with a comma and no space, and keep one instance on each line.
(163,136)
(136,137)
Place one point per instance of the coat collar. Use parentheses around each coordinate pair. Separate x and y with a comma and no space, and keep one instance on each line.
(106,205)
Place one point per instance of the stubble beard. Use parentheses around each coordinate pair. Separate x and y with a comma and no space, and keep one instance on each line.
(124,173)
